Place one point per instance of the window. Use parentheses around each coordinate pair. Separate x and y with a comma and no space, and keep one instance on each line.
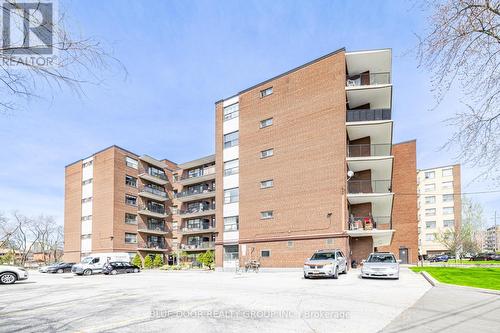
(87,164)
(155,172)
(175,225)
(89,199)
(429,187)
(268,214)
(86,182)
(266,92)
(231,167)
(130,200)
(448,223)
(430,200)
(429,237)
(231,111)
(267,153)
(130,181)
(231,223)
(447,197)
(130,238)
(430,225)
(447,172)
(266,122)
(430,212)
(86,218)
(131,163)
(130,218)
(231,139)
(447,210)
(447,185)
(289,244)
(266,183)
(265,253)
(430,175)
(231,195)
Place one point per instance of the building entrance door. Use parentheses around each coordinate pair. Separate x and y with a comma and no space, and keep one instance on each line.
(403,255)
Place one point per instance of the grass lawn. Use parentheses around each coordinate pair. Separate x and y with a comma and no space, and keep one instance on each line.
(479,262)
(478,277)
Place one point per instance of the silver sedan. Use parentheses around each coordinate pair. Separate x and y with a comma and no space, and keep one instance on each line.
(380,265)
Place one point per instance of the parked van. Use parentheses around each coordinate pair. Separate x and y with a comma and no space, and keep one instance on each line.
(94,263)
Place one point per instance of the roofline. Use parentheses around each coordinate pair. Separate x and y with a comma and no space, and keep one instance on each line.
(283,74)
(403,142)
(102,150)
(439,167)
(179,166)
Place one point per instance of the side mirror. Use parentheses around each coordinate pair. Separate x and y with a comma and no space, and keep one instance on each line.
(400,261)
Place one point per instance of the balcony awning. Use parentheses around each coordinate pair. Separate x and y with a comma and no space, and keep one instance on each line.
(380,237)
(375,61)
(380,131)
(381,202)
(379,97)
(381,167)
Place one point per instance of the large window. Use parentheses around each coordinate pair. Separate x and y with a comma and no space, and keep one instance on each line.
(131,163)
(430,212)
(131,200)
(130,218)
(447,197)
(430,225)
(231,111)
(266,122)
(447,185)
(130,181)
(266,92)
(447,172)
(430,200)
(429,187)
(430,237)
(267,153)
(231,195)
(130,238)
(231,223)
(231,139)
(447,210)
(448,223)
(430,175)
(231,167)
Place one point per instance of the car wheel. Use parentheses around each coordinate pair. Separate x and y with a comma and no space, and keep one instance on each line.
(113,272)
(336,273)
(8,278)
(305,276)
(60,271)
(136,270)
(87,272)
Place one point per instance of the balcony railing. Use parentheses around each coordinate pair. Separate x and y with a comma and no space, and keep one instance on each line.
(153,209)
(193,192)
(200,228)
(364,150)
(199,246)
(152,245)
(370,222)
(154,173)
(365,79)
(369,186)
(197,209)
(204,172)
(368,115)
(152,190)
(153,227)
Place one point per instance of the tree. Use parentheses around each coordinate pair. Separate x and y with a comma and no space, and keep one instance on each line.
(158,261)
(148,262)
(25,236)
(137,261)
(207,258)
(77,59)
(462,49)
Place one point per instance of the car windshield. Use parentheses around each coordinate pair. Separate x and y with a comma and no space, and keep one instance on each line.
(387,258)
(323,256)
(86,260)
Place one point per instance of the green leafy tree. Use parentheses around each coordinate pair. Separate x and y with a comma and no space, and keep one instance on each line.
(148,262)
(137,260)
(158,261)
(207,258)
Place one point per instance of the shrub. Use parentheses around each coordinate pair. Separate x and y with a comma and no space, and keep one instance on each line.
(148,262)
(207,258)
(137,261)
(158,261)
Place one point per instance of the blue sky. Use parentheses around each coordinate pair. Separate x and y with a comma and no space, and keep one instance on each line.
(181,57)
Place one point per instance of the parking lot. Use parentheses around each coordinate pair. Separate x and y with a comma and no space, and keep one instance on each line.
(188,301)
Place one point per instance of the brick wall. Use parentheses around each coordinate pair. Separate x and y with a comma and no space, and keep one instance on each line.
(72,212)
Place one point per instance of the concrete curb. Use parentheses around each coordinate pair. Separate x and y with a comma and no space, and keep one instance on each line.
(432,281)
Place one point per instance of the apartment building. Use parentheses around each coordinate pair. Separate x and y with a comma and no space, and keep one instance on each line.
(492,239)
(194,206)
(305,161)
(117,201)
(439,206)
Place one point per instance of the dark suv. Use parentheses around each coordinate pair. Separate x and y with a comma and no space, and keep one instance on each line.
(63,267)
(116,267)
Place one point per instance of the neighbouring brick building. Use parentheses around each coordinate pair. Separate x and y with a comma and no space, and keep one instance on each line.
(303,161)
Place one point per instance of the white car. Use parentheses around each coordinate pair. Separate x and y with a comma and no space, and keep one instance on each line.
(325,263)
(11,274)
(381,265)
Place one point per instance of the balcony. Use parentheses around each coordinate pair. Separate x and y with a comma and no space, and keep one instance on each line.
(195,194)
(198,230)
(198,247)
(205,174)
(368,79)
(153,211)
(152,246)
(369,150)
(368,186)
(153,193)
(197,211)
(379,132)
(157,178)
(153,229)
(370,222)
(368,115)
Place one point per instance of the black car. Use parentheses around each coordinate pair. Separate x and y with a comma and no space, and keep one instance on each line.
(116,267)
(441,258)
(483,257)
(63,267)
